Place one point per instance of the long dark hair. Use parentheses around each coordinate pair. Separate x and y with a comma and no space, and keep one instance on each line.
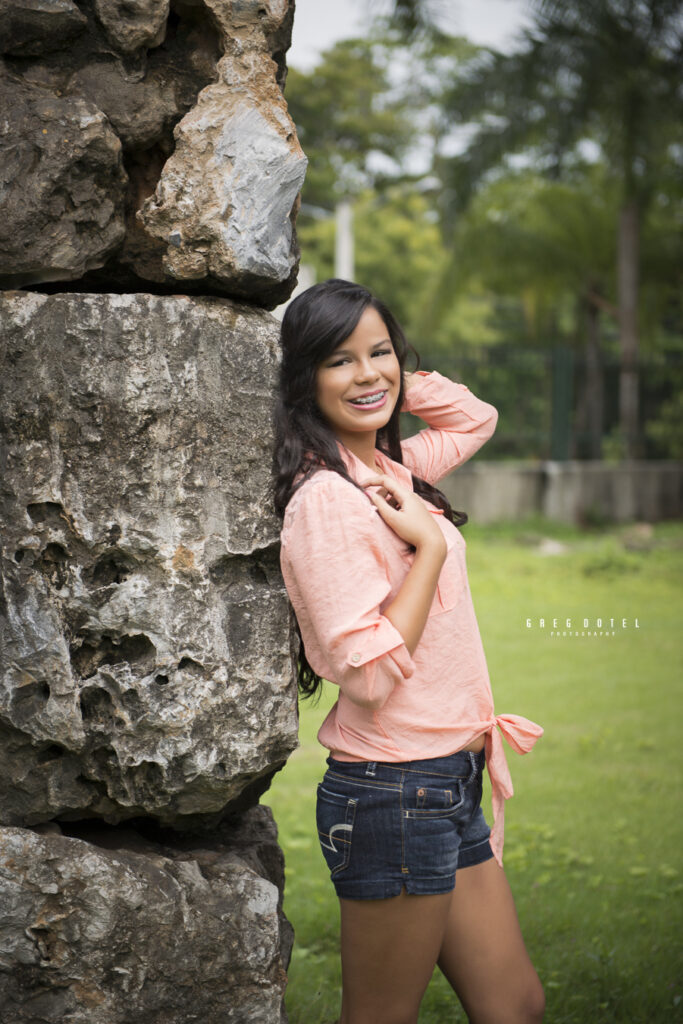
(316,323)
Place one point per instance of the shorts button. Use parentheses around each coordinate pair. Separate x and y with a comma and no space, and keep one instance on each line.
(420,792)
(355,658)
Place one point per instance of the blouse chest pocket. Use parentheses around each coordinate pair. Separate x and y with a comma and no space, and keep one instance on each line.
(452,579)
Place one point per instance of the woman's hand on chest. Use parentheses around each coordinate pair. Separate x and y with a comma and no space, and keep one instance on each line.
(406,514)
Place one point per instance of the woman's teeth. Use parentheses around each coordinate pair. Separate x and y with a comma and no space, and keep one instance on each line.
(369,399)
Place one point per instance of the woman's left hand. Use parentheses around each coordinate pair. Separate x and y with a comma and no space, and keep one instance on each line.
(406,514)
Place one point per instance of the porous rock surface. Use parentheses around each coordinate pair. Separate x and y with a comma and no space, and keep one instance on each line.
(147,690)
(144,626)
(31,27)
(120,928)
(130,26)
(238,155)
(62,185)
(187,127)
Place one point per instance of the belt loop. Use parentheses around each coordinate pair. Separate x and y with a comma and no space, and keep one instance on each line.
(371,768)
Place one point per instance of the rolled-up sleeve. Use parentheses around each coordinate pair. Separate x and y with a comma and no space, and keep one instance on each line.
(458,424)
(336,576)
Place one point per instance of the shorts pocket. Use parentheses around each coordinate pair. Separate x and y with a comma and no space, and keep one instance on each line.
(431,845)
(335,815)
(433,802)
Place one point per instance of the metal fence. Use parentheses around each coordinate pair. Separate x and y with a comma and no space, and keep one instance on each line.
(541,397)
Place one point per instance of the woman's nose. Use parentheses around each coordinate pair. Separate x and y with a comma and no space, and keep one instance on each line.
(367,370)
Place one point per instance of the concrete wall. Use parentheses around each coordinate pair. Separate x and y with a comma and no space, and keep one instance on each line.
(570,492)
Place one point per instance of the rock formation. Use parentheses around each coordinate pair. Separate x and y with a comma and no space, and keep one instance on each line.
(119,927)
(145,640)
(144,146)
(150,176)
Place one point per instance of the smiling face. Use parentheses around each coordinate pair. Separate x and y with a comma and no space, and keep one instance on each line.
(358,385)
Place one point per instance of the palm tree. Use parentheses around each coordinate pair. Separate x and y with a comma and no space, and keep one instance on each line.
(548,241)
(601,70)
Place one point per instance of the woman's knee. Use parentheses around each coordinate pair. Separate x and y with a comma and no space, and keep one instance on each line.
(387,1015)
(539,1002)
(533,1001)
(521,1003)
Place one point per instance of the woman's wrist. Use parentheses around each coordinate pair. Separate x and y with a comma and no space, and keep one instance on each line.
(433,548)
(410,379)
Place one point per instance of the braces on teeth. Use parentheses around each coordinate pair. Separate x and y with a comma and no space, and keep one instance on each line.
(369,400)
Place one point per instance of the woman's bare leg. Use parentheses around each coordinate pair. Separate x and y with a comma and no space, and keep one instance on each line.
(389,949)
(483,955)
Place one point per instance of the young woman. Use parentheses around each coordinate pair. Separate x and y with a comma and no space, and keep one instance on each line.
(375,569)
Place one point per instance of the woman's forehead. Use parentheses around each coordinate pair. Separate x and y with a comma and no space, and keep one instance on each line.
(369,331)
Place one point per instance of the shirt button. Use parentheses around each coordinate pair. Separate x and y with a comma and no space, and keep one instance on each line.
(355,658)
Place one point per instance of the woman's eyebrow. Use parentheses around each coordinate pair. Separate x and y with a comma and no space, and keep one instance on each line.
(347,351)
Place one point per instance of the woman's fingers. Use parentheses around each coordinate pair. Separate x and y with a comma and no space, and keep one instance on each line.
(404,512)
(394,508)
(396,492)
(380,500)
(388,509)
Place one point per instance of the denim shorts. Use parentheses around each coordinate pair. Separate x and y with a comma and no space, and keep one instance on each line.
(384,827)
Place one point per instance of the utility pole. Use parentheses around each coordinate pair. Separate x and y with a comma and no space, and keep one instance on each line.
(343,242)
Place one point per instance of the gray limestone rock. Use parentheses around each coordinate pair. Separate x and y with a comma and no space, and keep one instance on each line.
(144,627)
(32,27)
(147,690)
(131,25)
(123,928)
(264,25)
(191,104)
(141,111)
(227,196)
(62,185)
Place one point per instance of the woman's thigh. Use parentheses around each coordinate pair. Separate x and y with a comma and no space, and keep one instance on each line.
(389,948)
(483,954)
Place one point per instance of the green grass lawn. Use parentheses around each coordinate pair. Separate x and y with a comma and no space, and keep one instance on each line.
(594,832)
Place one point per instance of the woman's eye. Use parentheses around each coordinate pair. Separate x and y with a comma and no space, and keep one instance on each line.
(342,360)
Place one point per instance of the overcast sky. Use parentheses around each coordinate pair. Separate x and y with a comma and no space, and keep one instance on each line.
(320,23)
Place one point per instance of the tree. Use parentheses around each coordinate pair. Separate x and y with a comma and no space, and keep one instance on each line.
(549,243)
(604,70)
(399,251)
(352,128)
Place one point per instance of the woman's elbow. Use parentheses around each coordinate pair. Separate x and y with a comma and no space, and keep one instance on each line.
(370,703)
(488,427)
(371,695)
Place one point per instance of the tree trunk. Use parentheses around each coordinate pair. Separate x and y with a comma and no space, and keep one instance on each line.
(594,382)
(628,252)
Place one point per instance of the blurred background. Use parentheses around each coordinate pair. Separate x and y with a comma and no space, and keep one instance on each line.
(506,175)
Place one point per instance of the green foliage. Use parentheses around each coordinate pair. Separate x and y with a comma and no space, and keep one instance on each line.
(512,241)
(542,241)
(667,429)
(345,114)
(622,60)
(606,70)
(594,831)
(398,248)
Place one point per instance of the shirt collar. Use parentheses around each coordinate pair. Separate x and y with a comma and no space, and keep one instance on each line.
(358,471)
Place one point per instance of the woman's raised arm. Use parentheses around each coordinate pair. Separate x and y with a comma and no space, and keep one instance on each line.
(458,424)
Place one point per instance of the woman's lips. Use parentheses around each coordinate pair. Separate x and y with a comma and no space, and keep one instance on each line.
(378,400)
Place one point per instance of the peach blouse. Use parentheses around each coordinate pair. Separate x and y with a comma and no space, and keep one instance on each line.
(343,565)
